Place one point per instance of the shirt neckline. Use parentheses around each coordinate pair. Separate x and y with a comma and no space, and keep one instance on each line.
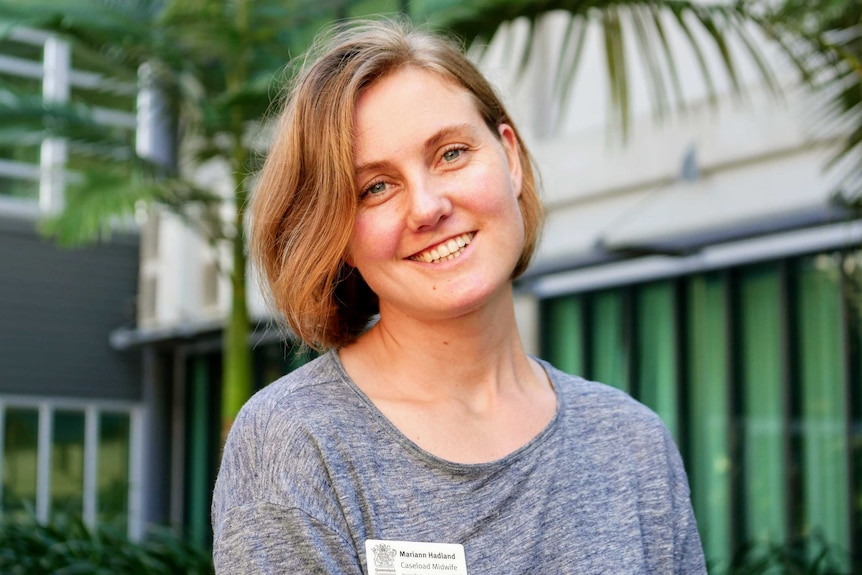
(436,461)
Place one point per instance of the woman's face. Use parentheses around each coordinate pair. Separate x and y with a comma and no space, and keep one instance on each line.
(439,229)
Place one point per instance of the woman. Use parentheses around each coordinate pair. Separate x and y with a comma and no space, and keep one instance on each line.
(430,442)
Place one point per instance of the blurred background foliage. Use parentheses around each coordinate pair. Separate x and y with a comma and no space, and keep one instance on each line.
(212,70)
(66,546)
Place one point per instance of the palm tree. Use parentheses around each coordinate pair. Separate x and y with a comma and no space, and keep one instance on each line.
(831,32)
(823,38)
(211,64)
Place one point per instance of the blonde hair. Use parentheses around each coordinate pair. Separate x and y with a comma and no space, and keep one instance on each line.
(305,201)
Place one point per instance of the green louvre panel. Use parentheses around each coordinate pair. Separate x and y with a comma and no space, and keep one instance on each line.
(762,414)
(199,487)
(656,352)
(709,461)
(563,334)
(826,504)
(610,357)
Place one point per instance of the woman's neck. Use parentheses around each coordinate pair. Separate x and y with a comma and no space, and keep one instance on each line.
(473,354)
(463,389)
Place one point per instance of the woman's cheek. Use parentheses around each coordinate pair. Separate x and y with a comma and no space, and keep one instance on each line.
(373,237)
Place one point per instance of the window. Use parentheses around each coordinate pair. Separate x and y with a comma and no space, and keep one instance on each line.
(35,65)
(67,463)
(20,74)
(756,372)
(68,458)
(20,445)
(113,464)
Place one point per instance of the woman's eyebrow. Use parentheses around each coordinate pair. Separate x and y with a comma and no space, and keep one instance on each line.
(447,132)
(371,166)
(432,143)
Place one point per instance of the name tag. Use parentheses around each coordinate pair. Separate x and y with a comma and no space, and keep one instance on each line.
(412,558)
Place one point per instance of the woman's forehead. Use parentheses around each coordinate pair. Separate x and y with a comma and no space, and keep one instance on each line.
(411,104)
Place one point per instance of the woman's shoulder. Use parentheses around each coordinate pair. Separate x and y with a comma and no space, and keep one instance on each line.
(298,414)
(597,404)
(298,398)
(275,449)
(310,379)
(607,422)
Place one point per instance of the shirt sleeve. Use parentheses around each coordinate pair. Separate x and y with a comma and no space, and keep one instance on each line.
(260,524)
(668,527)
(264,538)
(687,546)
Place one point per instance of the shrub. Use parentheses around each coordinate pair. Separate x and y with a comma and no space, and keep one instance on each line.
(811,555)
(66,546)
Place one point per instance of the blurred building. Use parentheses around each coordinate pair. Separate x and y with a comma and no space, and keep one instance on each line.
(109,354)
(71,417)
(702,264)
(705,264)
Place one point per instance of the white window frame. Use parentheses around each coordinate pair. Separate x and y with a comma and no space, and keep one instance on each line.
(46,407)
(58,78)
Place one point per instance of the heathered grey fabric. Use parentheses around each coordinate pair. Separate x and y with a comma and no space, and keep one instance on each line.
(312,469)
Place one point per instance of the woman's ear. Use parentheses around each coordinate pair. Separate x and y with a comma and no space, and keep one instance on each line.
(513,156)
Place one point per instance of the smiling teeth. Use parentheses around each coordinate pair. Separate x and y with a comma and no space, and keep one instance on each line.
(446,251)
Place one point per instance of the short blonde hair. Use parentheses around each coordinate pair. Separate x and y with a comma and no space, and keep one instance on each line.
(304,205)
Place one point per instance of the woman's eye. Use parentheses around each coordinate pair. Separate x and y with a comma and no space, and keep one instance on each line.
(375,188)
(452,155)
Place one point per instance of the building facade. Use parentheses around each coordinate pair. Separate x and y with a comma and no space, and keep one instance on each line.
(706,265)
(703,264)
(71,411)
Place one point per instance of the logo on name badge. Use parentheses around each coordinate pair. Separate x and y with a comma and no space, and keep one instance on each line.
(384,556)
(414,558)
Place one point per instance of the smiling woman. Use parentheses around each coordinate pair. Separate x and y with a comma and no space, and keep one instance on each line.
(438,175)
(309,189)
(399,186)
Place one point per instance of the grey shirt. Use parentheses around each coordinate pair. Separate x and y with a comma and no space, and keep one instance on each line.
(312,469)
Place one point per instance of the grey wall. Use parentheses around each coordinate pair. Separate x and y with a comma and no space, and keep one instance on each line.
(57,309)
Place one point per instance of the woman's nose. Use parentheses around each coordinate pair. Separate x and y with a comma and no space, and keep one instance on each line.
(429,204)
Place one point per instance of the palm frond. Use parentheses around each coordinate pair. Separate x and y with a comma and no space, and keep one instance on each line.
(651,61)
(574,40)
(112,38)
(704,68)
(98,200)
(656,14)
(643,24)
(616,64)
(754,52)
(710,23)
(826,37)
(29,117)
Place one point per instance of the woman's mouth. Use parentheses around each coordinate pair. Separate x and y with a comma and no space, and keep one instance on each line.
(448,250)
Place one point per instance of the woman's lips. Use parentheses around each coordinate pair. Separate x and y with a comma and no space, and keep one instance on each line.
(448,250)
